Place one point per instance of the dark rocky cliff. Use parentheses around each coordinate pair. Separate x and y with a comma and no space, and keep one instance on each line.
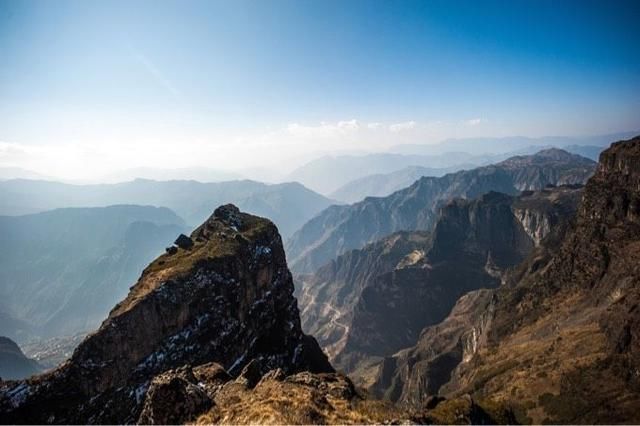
(558,342)
(228,299)
(370,303)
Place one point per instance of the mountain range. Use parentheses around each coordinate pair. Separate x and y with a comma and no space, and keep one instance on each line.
(511,308)
(558,341)
(338,229)
(369,303)
(62,270)
(289,204)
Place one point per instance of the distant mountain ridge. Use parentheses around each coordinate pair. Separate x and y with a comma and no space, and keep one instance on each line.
(370,303)
(341,228)
(13,363)
(289,204)
(62,270)
(327,174)
(381,185)
(494,145)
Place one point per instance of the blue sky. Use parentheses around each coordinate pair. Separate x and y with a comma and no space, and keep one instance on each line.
(85,80)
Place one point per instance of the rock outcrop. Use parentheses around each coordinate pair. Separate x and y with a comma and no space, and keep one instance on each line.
(370,303)
(339,229)
(559,341)
(228,299)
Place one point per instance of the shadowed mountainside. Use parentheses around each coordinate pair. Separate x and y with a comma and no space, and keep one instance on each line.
(558,342)
(341,228)
(13,362)
(370,303)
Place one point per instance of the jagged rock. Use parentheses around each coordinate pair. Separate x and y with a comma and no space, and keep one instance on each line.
(370,303)
(227,301)
(183,242)
(339,229)
(558,342)
(250,375)
(174,398)
(171,250)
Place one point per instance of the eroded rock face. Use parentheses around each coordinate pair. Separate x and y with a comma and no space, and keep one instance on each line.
(558,342)
(370,303)
(339,229)
(227,299)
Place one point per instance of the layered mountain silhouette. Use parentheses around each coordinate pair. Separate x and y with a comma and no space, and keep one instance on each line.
(341,228)
(290,205)
(369,303)
(381,185)
(61,271)
(558,341)
(13,362)
(329,173)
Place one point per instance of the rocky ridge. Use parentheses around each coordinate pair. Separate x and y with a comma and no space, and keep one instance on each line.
(228,299)
(370,303)
(558,342)
(339,229)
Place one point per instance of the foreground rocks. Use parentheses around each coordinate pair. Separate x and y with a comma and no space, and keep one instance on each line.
(228,299)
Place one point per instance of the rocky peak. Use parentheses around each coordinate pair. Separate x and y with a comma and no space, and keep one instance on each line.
(559,342)
(228,214)
(547,156)
(624,158)
(227,299)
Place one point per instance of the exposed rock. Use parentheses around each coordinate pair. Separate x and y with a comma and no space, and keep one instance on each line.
(174,397)
(558,342)
(339,229)
(183,242)
(371,303)
(227,301)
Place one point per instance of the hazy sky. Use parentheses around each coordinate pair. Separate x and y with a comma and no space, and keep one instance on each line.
(88,87)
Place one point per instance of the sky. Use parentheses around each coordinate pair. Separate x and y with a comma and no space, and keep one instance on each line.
(88,88)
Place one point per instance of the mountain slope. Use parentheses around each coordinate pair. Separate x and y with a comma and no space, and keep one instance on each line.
(289,204)
(370,303)
(326,174)
(341,228)
(559,341)
(227,299)
(13,363)
(381,185)
(62,270)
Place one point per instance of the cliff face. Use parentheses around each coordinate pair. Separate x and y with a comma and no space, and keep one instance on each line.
(558,342)
(370,303)
(228,299)
(339,229)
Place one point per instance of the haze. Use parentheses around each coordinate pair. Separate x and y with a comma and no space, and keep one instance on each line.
(91,90)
